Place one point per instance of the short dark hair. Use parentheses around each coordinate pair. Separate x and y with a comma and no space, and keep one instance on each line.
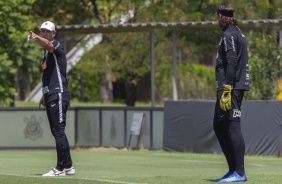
(225,13)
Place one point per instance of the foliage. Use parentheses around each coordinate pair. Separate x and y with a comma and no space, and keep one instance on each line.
(191,45)
(6,88)
(197,82)
(264,55)
(84,86)
(126,57)
(116,59)
(62,11)
(194,81)
(16,56)
(83,11)
(268,9)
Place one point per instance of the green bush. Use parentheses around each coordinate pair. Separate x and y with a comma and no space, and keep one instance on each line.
(84,87)
(194,81)
(264,54)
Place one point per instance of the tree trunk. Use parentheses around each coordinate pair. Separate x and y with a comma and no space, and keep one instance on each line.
(130,94)
(21,85)
(106,88)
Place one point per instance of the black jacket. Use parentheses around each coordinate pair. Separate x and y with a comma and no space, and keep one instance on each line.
(54,79)
(232,63)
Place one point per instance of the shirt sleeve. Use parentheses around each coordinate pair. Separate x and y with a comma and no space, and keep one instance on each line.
(56,45)
(230,45)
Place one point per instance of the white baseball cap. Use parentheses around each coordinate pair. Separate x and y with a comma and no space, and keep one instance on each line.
(48,25)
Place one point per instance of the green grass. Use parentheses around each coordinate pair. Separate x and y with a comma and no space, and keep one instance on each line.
(72,104)
(104,166)
(88,104)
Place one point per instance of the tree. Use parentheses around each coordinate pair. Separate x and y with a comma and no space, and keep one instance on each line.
(264,60)
(125,57)
(88,11)
(192,45)
(17,66)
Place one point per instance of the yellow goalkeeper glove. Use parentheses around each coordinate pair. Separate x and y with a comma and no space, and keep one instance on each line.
(225,100)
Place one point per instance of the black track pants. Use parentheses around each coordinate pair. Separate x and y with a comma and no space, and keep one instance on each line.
(232,144)
(227,128)
(56,107)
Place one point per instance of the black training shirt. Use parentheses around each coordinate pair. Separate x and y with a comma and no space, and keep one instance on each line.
(54,67)
(232,63)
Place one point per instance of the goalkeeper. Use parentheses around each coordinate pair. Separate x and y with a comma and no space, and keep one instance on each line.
(232,79)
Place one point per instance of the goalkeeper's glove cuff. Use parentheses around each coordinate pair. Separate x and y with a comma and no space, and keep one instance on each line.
(227,85)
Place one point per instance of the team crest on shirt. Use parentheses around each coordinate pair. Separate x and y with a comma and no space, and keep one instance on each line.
(44,65)
(33,129)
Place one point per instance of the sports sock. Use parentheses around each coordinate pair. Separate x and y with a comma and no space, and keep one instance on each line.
(240,169)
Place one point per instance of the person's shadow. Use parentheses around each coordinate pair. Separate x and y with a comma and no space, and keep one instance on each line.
(211,180)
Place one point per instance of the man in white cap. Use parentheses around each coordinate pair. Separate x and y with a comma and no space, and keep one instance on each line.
(56,95)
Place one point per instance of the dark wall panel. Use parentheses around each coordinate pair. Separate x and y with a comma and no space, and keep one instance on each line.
(188,126)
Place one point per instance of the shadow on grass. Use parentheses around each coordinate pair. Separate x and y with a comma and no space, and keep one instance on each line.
(211,180)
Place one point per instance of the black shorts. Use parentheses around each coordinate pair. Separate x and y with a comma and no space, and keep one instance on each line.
(234,114)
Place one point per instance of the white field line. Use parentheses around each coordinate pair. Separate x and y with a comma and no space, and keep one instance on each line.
(61,177)
(215,162)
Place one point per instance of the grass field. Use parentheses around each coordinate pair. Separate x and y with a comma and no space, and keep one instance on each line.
(72,104)
(88,104)
(104,166)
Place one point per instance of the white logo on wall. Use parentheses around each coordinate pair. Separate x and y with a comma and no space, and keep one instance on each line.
(33,129)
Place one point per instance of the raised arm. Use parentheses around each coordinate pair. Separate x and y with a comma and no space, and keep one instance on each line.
(43,42)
